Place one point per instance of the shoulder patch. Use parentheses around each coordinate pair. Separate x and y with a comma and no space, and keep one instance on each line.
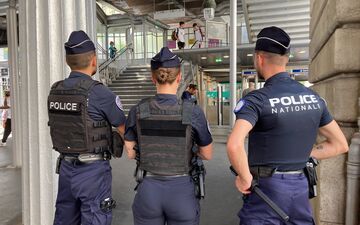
(239,106)
(118,103)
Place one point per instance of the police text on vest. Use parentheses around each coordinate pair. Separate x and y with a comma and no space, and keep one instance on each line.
(64,106)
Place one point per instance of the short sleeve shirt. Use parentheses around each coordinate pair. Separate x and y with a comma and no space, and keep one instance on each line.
(285,116)
(103,104)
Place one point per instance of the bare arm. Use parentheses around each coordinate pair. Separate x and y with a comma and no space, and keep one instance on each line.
(205,152)
(5,106)
(237,155)
(121,130)
(129,146)
(335,143)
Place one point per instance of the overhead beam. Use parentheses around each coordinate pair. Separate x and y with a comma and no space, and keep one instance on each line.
(246,16)
(101,14)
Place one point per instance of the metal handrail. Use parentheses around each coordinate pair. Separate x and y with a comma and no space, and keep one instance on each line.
(103,51)
(119,53)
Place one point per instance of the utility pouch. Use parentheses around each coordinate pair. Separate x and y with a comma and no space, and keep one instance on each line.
(310,173)
(58,164)
(117,145)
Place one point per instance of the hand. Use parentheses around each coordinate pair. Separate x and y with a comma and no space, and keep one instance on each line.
(244,185)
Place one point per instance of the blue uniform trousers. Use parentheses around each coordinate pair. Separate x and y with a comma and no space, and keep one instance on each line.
(81,190)
(289,192)
(166,200)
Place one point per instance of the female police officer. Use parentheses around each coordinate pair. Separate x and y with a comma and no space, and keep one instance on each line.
(165,131)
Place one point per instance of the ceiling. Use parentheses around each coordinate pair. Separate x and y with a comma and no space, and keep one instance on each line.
(219,57)
(193,8)
(291,15)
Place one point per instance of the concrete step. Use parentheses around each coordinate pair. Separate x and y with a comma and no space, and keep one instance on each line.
(138,69)
(131,73)
(132,80)
(126,78)
(130,83)
(135,92)
(133,87)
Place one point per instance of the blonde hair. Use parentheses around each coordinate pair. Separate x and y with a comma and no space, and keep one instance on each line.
(165,75)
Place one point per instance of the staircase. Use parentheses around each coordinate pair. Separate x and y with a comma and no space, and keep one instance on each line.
(133,84)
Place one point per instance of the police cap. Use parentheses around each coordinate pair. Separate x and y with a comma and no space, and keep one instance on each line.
(274,40)
(78,43)
(165,59)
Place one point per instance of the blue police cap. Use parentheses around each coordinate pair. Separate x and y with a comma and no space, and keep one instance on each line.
(273,39)
(165,59)
(78,43)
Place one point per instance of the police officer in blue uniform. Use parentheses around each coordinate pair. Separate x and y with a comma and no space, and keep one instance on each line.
(82,113)
(283,119)
(165,130)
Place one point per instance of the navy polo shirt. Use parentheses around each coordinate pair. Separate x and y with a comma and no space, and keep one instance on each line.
(103,104)
(202,135)
(285,116)
(186,95)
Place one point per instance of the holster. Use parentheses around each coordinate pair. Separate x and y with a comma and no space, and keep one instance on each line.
(310,173)
(117,145)
(198,176)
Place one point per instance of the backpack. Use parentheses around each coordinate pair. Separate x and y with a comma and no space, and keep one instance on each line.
(174,34)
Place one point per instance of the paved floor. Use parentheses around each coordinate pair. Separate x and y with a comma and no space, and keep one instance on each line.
(10,187)
(220,206)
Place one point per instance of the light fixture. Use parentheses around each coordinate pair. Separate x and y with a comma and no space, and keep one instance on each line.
(302,52)
(291,56)
(249,55)
(226,56)
(203,57)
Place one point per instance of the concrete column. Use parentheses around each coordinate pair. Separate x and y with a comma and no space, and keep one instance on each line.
(233,57)
(42,37)
(144,42)
(335,73)
(107,41)
(12,37)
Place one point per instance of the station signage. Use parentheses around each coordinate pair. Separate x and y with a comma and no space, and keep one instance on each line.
(248,72)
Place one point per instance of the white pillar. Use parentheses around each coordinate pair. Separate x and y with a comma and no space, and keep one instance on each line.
(42,37)
(12,37)
(233,57)
(144,41)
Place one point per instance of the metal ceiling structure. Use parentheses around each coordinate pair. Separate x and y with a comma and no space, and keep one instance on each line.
(193,8)
(291,15)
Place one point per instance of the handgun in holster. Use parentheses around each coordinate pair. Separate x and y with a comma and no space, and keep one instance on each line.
(310,173)
(198,175)
(139,174)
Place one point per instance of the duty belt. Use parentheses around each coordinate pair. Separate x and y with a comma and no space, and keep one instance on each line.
(263,171)
(148,174)
(84,158)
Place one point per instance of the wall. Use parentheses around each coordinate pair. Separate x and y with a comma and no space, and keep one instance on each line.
(335,72)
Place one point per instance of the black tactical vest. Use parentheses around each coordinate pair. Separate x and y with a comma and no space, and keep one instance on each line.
(71,128)
(165,137)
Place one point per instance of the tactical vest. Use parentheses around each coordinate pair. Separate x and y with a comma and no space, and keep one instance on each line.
(165,137)
(71,128)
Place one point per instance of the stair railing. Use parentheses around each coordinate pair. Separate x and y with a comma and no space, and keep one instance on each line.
(109,69)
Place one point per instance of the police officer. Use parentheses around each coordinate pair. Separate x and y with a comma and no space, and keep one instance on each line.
(283,119)
(81,114)
(190,93)
(165,131)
